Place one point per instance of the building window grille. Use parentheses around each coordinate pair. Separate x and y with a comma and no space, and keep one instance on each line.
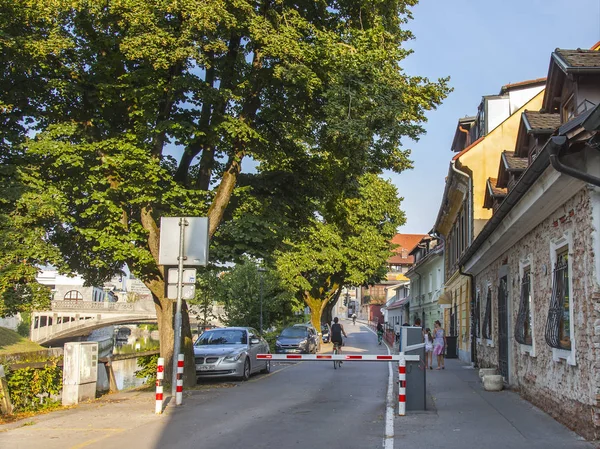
(487,318)
(73,295)
(523,328)
(558,330)
(477,317)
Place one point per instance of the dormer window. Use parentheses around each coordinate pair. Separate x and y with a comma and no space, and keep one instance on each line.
(568,109)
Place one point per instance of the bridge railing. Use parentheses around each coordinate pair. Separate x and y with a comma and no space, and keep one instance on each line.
(90,305)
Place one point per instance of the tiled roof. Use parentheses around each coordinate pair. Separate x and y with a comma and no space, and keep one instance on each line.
(515,163)
(579,58)
(540,122)
(496,191)
(398,259)
(522,84)
(406,242)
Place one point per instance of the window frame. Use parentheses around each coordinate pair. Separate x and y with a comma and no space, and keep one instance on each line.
(477,315)
(489,338)
(526,265)
(78,295)
(556,247)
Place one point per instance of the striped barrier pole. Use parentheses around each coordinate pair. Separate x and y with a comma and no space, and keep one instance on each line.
(160,375)
(179,392)
(402,387)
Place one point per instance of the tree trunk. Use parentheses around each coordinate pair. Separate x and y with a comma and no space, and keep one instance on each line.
(164,315)
(187,348)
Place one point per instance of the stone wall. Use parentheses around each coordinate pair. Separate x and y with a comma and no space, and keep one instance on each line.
(567,392)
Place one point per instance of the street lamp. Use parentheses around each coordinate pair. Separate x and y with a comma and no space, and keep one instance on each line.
(261,270)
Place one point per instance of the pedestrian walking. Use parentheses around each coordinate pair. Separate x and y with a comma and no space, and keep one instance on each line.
(428,348)
(439,344)
(397,332)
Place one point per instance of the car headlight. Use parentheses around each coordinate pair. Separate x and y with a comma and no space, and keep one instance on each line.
(277,344)
(233,357)
(302,343)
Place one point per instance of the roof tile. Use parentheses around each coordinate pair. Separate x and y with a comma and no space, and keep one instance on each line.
(580,58)
(497,191)
(515,163)
(540,122)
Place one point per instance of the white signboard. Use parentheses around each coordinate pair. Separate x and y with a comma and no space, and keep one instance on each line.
(195,242)
(189,276)
(187,291)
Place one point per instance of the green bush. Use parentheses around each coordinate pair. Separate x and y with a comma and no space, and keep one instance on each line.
(148,366)
(35,389)
(24,326)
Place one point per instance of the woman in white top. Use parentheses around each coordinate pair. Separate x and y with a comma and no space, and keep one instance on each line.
(428,348)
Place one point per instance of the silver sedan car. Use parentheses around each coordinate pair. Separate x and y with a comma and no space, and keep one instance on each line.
(230,352)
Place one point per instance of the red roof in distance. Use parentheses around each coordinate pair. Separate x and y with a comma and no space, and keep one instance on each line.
(405,242)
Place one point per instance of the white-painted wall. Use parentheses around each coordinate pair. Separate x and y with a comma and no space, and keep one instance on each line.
(519,97)
(498,110)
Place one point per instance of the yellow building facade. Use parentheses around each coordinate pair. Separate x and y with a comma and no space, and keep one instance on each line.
(462,214)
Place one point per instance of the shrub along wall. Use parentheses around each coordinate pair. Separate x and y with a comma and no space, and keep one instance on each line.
(33,389)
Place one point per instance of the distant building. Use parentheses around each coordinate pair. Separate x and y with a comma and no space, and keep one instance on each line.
(382,294)
(426,282)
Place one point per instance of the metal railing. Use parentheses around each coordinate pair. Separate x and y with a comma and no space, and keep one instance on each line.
(91,305)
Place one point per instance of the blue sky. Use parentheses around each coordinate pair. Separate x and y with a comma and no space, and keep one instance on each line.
(482,45)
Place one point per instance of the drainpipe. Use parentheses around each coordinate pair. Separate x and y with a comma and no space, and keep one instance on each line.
(472,303)
(470,202)
(555,146)
(462,130)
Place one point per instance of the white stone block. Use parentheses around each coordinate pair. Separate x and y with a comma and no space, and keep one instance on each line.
(487,371)
(493,382)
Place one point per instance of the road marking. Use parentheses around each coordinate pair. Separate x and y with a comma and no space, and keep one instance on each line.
(95,440)
(388,437)
(256,379)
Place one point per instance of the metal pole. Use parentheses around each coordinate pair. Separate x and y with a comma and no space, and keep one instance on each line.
(177,344)
(260,273)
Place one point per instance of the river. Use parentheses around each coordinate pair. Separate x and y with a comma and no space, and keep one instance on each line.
(110,341)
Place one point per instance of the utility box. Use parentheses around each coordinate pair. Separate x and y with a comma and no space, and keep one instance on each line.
(80,372)
(411,343)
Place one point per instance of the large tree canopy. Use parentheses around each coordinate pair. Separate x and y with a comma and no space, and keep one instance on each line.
(142,109)
(346,245)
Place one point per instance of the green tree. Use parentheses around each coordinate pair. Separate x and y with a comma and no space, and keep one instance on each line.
(239,290)
(148,109)
(204,299)
(348,245)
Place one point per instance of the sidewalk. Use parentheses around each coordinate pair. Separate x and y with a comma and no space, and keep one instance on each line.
(464,415)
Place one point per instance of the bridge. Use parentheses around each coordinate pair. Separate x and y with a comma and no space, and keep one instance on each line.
(68,319)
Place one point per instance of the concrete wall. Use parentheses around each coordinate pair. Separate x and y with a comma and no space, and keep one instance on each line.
(568,391)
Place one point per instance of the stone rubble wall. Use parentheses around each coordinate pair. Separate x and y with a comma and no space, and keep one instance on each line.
(570,394)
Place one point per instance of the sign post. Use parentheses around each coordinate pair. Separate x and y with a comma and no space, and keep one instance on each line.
(177,345)
(193,250)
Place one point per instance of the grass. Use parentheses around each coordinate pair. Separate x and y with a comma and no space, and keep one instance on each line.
(12,343)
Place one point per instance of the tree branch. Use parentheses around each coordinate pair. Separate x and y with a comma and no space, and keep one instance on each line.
(218,111)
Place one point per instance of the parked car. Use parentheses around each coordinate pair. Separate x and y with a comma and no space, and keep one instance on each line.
(325,332)
(230,352)
(299,339)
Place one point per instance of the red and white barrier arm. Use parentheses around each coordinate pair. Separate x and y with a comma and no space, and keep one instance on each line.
(160,374)
(343,357)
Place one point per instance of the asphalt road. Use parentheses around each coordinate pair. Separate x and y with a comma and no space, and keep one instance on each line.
(301,404)
(306,404)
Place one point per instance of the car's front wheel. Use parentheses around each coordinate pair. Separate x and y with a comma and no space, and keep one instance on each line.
(246,373)
(267,368)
